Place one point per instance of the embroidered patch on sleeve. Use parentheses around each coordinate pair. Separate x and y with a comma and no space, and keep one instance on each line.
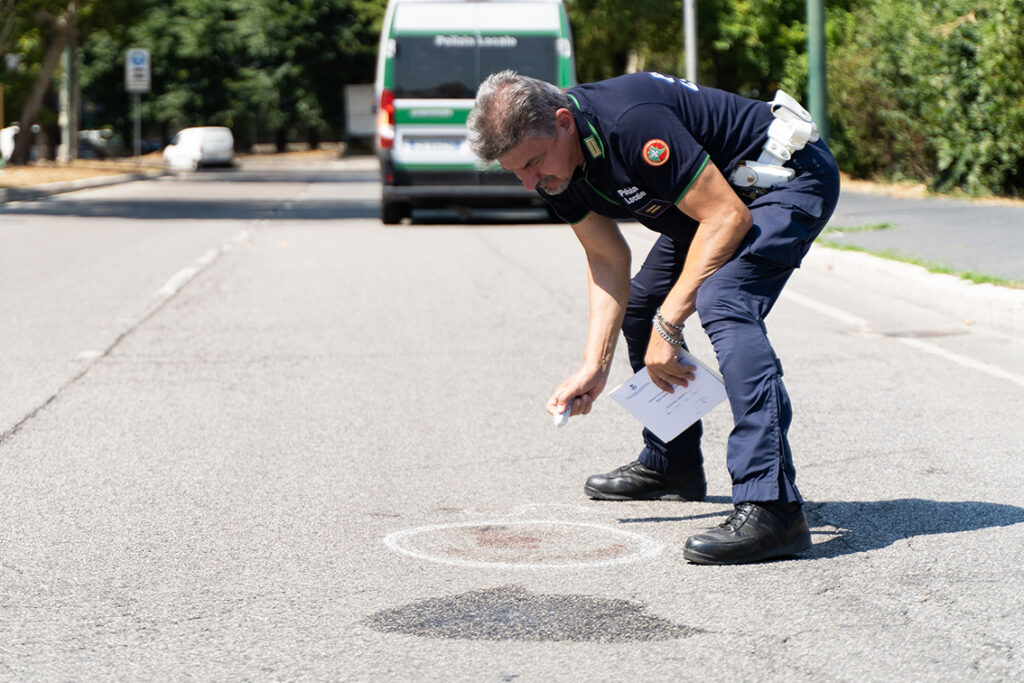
(656,152)
(654,208)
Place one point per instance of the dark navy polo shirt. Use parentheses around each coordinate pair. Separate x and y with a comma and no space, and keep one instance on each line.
(646,137)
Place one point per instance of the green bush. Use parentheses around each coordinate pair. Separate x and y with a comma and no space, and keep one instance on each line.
(930,90)
(923,90)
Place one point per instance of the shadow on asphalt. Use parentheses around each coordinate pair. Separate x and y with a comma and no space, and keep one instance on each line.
(152,209)
(366,206)
(477,217)
(719,514)
(861,526)
(216,209)
(297,176)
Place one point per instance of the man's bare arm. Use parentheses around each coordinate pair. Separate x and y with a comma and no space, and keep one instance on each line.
(608,270)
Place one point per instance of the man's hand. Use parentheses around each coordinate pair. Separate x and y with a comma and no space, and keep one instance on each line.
(662,361)
(584,385)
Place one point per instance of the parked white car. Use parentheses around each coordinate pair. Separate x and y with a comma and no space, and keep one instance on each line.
(201,146)
(7,141)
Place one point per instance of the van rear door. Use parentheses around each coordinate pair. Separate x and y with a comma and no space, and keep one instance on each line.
(437,55)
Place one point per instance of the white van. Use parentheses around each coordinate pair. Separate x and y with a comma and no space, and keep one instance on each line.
(433,55)
(201,146)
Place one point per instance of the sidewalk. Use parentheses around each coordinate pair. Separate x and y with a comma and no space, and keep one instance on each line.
(32,192)
(41,179)
(980,238)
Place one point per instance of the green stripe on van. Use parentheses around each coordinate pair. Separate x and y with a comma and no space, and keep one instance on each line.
(566,77)
(431,115)
(566,64)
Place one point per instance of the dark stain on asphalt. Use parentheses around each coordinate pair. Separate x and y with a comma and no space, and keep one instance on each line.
(514,613)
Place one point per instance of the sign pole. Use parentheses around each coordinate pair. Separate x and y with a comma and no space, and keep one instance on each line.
(138,125)
(817,87)
(690,38)
(137,80)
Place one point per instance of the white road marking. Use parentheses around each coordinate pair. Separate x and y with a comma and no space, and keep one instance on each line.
(177,281)
(207,258)
(863,324)
(965,361)
(183,276)
(826,309)
(647,547)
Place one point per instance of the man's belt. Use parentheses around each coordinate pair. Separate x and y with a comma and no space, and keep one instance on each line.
(791,130)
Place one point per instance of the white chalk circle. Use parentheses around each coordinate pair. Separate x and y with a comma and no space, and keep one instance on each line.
(523,544)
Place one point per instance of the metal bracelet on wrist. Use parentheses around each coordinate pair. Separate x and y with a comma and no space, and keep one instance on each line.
(677,329)
(674,341)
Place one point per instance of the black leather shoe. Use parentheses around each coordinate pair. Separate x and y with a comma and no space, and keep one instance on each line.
(753,532)
(637,482)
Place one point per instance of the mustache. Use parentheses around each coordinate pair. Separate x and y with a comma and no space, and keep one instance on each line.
(559,188)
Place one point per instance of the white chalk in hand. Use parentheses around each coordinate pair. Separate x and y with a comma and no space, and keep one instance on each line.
(562,418)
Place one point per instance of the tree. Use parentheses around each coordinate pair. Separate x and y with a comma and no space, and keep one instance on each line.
(7,17)
(268,69)
(57,22)
(754,48)
(931,91)
(299,54)
(745,47)
(612,37)
(43,29)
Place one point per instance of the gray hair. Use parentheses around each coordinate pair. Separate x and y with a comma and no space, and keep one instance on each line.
(509,108)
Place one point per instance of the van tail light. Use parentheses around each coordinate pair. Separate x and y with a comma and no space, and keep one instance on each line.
(386,120)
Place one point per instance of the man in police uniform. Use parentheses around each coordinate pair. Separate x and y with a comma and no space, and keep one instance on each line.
(675,156)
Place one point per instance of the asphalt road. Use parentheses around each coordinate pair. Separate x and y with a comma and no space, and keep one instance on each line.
(982,238)
(249,433)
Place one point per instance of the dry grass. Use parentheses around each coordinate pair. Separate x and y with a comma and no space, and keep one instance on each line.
(43,172)
(902,190)
(915,191)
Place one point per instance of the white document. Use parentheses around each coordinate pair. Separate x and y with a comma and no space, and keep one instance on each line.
(665,414)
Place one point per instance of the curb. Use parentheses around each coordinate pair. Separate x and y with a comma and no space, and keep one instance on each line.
(991,306)
(24,194)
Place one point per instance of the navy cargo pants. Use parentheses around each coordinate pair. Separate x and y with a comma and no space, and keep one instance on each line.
(732,304)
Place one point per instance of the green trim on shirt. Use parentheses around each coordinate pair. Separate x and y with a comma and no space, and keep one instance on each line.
(707,158)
